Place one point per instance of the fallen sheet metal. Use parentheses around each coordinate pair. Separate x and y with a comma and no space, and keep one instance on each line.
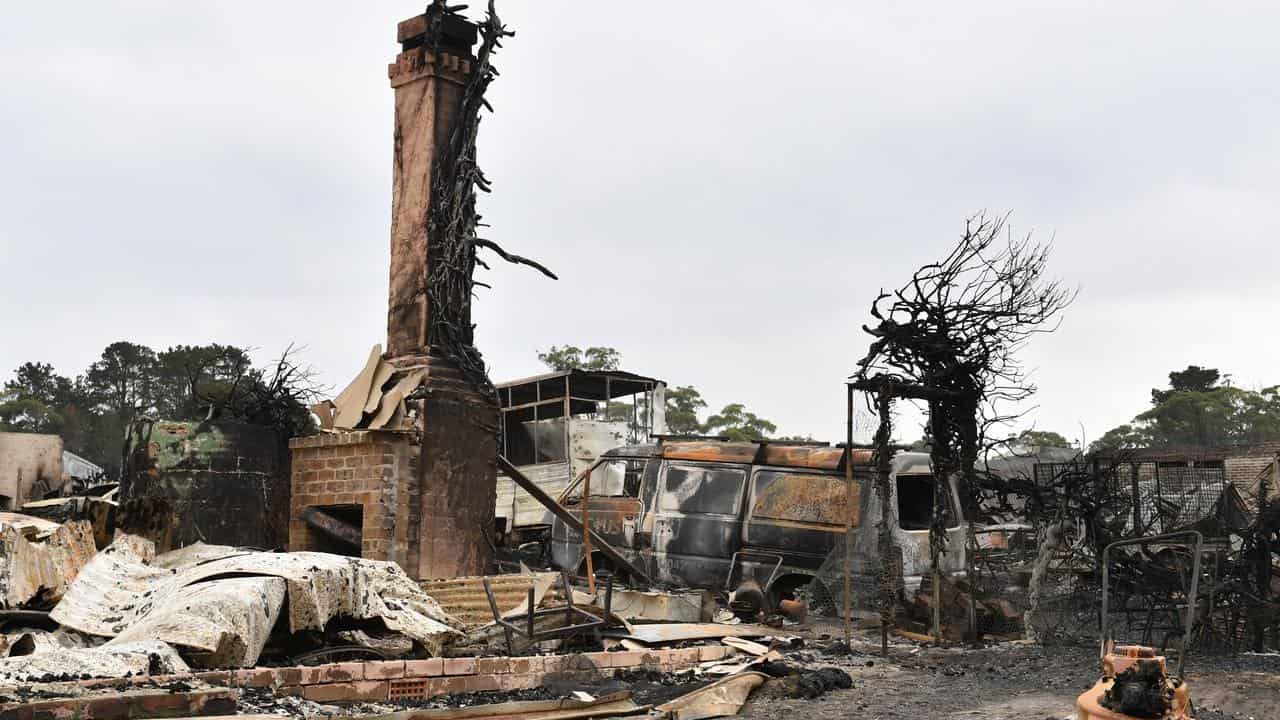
(351,401)
(675,632)
(40,558)
(227,620)
(142,658)
(607,706)
(687,607)
(720,698)
(368,402)
(120,588)
(106,593)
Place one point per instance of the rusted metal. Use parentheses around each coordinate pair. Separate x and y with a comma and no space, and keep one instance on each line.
(850,508)
(1134,684)
(684,520)
(42,557)
(726,452)
(567,517)
(576,619)
(586,537)
(465,599)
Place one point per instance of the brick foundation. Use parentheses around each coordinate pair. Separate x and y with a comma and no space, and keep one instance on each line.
(385,680)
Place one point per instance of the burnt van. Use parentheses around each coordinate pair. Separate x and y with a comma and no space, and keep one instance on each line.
(712,515)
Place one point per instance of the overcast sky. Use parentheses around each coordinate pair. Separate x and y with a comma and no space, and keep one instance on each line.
(722,187)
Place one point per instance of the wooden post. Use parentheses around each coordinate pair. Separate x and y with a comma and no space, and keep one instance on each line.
(586,536)
(849,511)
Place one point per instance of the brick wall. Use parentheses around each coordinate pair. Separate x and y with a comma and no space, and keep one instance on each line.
(370,469)
(1245,473)
(416,679)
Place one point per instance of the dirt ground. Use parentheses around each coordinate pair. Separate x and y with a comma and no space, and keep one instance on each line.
(1006,682)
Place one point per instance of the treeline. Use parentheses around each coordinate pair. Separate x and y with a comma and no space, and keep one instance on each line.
(684,404)
(1200,408)
(93,410)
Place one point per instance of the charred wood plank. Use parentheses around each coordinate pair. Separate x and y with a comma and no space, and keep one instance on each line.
(332,526)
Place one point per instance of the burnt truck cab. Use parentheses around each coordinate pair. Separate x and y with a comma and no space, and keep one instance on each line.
(711,514)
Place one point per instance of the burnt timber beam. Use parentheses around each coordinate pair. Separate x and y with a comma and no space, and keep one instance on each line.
(597,542)
(332,526)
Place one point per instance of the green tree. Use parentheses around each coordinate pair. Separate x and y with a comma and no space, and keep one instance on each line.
(1199,409)
(1193,379)
(191,377)
(122,385)
(735,423)
(1044,438)
(571,357)
(34,400)
(683,405)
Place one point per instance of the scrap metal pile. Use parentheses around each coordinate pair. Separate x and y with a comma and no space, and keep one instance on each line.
(1074,510)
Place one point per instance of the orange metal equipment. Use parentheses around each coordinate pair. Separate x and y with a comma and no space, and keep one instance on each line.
(1135,680)
(1133,676)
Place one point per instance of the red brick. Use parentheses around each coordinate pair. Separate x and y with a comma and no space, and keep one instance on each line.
(520,681)
(342,672)
(359,690)
(431,667)
(493,666)
(449,685)
(556,663)
(311,675)
(459,666)
(287,676)
(159,704)
(482,683)
(213,703)
(526,665)
(101,708)
(712,652)
(215,677)
(385,670)
(683,657)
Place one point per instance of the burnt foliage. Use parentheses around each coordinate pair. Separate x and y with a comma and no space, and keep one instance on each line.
(453,223)
(949,336)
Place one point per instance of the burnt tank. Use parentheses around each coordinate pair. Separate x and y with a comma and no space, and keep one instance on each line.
(221,482)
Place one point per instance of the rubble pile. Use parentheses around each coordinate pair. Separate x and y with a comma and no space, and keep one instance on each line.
(127,611)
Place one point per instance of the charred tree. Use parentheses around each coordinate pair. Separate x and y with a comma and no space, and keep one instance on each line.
(453,221)
(950,335)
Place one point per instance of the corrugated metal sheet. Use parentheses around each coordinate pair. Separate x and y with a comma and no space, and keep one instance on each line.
(551,477)
(228,620)
(41,556)
(119,588)
(464,598)
(127,660)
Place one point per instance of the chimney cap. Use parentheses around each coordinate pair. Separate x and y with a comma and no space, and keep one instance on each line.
(457,34)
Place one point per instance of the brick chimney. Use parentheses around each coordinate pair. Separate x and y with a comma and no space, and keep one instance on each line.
(451,493)
(428,91)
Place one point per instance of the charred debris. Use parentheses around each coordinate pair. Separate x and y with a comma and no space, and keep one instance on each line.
(429,537)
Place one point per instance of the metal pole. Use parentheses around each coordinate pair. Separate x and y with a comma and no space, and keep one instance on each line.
(849,511)
(586,536)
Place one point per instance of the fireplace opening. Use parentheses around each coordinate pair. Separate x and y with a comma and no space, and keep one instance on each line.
(335,529)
